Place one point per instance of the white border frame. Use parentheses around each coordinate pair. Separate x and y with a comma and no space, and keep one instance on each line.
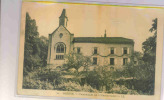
(9,40)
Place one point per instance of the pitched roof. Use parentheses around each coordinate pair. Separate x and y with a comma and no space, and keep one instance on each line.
(106,40)
(59,27)
(63,14)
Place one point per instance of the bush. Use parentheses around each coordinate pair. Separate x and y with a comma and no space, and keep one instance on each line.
(36,84)
(71,86)
(99,78)
(122,90)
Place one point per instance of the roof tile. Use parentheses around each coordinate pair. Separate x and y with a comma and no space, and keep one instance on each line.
(106,40)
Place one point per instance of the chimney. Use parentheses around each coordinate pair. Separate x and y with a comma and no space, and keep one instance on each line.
(105,34)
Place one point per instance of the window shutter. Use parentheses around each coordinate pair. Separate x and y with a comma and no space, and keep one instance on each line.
(122,50)
(92,50)
(109,60)
(98,50)
(122,61)
(128,50)
(98,60)
(115,61)
(81,49)
(92,59)
(109,50)
(114,50)
(75,50)
(128,60)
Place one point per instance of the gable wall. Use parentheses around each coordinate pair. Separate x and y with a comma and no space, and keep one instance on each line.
(66,39)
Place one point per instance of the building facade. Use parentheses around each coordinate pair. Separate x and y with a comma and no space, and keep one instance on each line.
(103,51)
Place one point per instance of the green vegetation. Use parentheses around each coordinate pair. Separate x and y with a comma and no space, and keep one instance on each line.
(35,51)
(132,79)
(76,61)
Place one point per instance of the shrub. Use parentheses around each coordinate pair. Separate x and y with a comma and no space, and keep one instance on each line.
(71,86)
(36,84)
(122,90)
(99,78)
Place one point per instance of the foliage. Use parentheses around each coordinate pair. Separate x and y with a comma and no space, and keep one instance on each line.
(36,48)
(43,76)
(149,46)
(36,84)
(154,26)
(31,50)
(129,70)
(149,58)
(76,61)
(47,74)
(43,46)
(141,77)
(71,86)
(99,78)
(146,74)
(144,71)
(122,90)
(137,56)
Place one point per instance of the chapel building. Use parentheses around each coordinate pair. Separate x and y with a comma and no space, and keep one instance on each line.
(114,52)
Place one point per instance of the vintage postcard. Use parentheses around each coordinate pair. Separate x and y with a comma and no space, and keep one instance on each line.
(90,51)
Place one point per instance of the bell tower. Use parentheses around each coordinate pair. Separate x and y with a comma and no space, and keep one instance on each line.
(63,19)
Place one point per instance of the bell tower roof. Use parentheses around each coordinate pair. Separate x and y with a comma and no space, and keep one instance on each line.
(63,14)
(63,19)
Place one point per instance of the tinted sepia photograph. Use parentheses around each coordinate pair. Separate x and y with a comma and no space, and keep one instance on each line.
(84,48)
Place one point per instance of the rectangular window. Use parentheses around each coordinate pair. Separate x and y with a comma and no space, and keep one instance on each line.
(59,57)
(125,50)
(94,60)
(95,50)
(112,50)
(111,61)
(125,61)
(78,50)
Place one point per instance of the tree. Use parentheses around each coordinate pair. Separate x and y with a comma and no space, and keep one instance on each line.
(43,46)
(137,56)
(154,26)
(36,48)
(149,49)
(149,58)
(100,78)
(144,71)
(76,61)
(31,49)
(149,46)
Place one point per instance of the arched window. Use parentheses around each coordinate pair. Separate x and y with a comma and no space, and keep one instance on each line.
(60,48)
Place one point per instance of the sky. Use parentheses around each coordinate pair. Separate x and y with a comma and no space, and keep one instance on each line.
(93,20)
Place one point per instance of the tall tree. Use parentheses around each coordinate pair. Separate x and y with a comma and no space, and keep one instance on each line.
(31,50)
(149,58)
(149,46)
